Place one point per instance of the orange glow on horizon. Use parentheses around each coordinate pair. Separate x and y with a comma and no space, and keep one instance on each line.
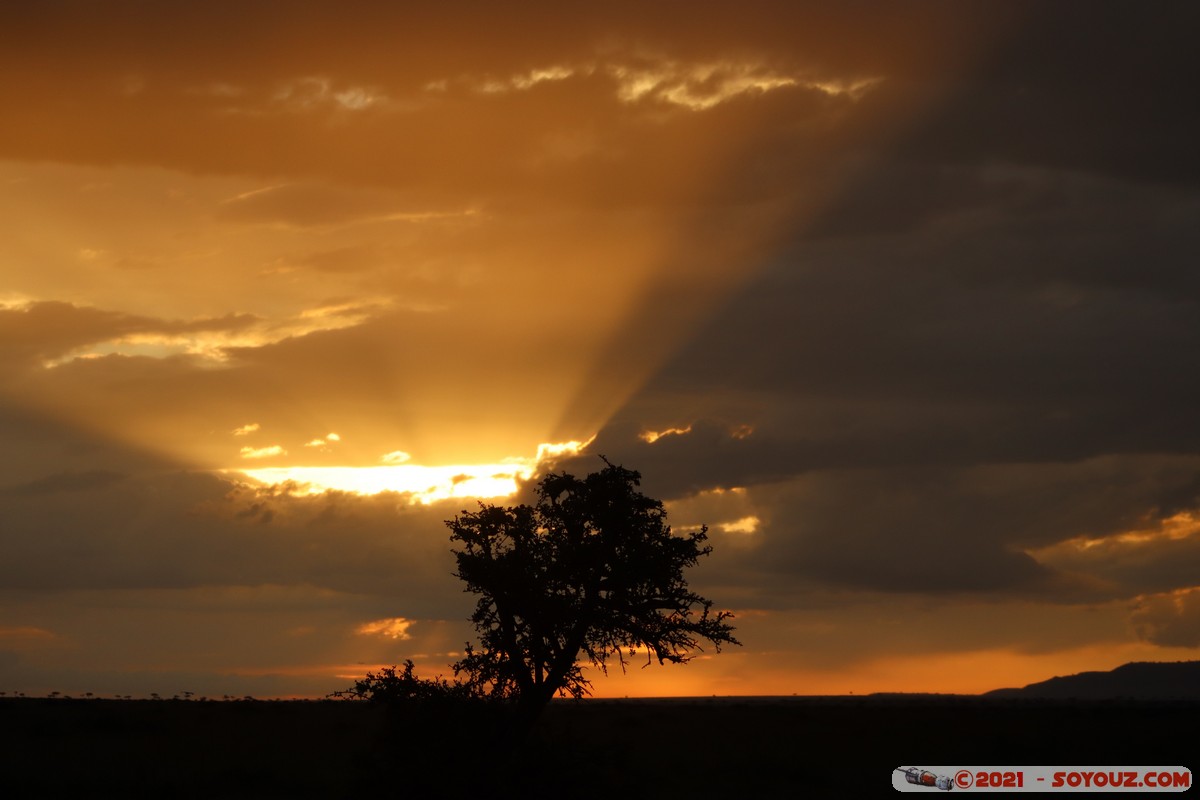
(736,674)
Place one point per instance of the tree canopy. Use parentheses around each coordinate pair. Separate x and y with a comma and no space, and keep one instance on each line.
(592,570)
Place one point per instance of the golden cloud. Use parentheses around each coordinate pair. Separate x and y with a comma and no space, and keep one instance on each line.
(391,627)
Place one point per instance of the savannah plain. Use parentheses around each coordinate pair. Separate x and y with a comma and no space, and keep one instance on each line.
(696,747)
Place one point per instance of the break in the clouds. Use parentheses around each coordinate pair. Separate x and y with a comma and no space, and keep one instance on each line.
(898,300)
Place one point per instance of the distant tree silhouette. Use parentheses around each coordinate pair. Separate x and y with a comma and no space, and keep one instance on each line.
(592,570)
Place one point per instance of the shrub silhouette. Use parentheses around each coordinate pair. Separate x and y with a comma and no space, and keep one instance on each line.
(405,688)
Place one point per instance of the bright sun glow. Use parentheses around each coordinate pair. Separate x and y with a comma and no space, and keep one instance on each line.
(425,484)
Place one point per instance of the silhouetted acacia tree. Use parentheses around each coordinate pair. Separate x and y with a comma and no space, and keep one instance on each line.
(592,570)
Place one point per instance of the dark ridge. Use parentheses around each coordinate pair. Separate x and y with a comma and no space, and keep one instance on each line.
(1143,680)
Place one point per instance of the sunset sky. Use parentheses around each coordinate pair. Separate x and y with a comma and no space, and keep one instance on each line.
(902,300)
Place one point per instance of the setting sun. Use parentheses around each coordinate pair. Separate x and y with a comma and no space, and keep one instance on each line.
(424,484)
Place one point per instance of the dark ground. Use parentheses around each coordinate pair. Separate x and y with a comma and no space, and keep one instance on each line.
(748,747)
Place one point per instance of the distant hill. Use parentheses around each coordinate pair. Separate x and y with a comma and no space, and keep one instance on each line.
(1143,680)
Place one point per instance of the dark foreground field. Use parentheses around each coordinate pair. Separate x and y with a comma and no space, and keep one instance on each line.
(652,749)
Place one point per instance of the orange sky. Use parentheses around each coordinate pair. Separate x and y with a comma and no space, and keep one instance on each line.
(892,297)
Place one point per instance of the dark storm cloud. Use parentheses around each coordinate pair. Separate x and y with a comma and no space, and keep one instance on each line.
(946,530)
(186,530)
(1087,86)
(883,352)
(1000,278)
(1003,297)
(1170,620)
(82,512)
(1043,318)
(889,370)
(709,455)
